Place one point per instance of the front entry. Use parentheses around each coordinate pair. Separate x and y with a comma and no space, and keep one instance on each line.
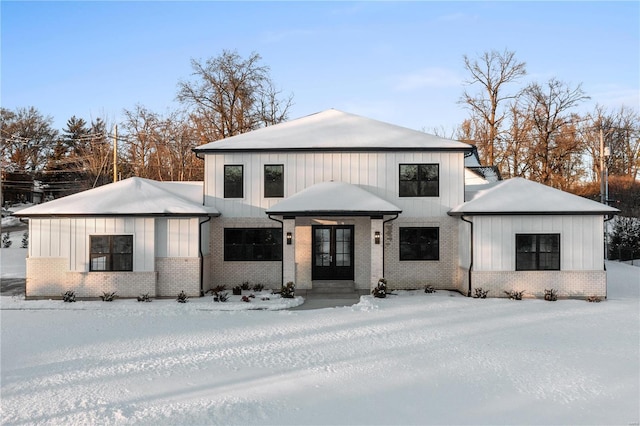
(332,257)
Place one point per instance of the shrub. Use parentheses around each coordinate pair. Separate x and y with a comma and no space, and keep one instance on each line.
(144,298)
(69,296)
(245,286)
(182,297)
(380,290)
(245,299)
(25,239)
(514,295)
(6,240)
(108,297)
(258,287)
(288,291)
(221,297)
(594,299)
(479,293)
(237,290)
(551,295)
(429,289)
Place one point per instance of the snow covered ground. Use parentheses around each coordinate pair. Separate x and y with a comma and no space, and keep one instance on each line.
(414,358)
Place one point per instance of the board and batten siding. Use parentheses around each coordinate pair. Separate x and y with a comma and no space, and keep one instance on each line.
(581,245)
(69,238)
(177,237)
(376,172)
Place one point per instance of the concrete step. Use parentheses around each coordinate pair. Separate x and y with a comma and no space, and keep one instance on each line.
(337,287)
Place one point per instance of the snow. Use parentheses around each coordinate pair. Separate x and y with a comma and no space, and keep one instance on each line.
(412,358)
(334,198)
(129,196)
(518,195)
(333,129)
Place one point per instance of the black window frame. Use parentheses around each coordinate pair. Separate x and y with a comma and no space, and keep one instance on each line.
(537,260)
(273,187)
(233,189)
(408,241)
(252,244)
(422,185)
(115,260)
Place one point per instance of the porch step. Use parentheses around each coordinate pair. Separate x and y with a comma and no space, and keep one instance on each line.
(333,288)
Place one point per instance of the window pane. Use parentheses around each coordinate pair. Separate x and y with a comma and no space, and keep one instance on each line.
(233,182)
(274,181)
(100,244)
(123,244)
(245,244)
(99,263)
(537,252)
(419,180)
(419,244)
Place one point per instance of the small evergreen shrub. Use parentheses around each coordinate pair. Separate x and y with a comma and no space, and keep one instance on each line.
(245,285)
(288,291)
(6,240)
(25,239)
(514,295)
(594,299)
(69,296)
(380,290)
(551,295)
(237,290)
(108,297)
(479,293)
(221,296)
(182,297)
(144,298)
(429,289)
(258,287)
(245,299)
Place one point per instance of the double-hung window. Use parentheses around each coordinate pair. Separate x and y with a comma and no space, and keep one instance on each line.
(252,244)
(274,180)
(419,243)
(419,180)
(233,181)
(111,253)
(537,252)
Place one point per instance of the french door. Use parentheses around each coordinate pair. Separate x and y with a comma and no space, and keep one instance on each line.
(332,252)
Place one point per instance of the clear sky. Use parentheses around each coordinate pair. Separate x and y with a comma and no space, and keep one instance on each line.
(399,62)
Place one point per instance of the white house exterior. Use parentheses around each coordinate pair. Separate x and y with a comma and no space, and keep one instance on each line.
(331,199)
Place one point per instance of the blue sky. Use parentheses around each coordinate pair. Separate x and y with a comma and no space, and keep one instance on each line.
(399,62)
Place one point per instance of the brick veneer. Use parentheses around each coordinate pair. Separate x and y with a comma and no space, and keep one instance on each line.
(176,274)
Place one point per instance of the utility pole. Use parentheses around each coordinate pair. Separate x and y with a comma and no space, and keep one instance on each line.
(115,153)
(602,189)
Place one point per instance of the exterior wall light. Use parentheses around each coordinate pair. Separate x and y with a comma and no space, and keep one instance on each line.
(289,238)
(376,237)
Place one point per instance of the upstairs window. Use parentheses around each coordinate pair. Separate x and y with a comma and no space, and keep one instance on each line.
(252,244)
(111,253)
(233,181)
(419,244)
(419,180)
(274,181)
(537,252)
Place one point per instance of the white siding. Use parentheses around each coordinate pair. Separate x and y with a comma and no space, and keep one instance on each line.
(69,238)
(177,237)
(581,240)
(378,173)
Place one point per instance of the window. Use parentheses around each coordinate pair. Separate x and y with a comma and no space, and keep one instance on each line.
(252,244)
(419,244)
(233,181)
(273,180)
(537,252)
(419,180)
(111,253)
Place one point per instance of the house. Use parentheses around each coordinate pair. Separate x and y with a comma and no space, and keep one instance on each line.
(328,201)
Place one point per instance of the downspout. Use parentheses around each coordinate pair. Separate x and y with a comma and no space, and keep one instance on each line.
(384,222)
(201,256)
(606,255)
(470,254)
(282,254)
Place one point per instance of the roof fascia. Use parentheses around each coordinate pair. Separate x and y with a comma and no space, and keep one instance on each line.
(333,213)
(539,213)
(79,215)
(331,149)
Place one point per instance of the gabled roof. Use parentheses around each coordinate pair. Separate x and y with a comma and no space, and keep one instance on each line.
(333,199)
(333,130)
(518,196)
(130,197)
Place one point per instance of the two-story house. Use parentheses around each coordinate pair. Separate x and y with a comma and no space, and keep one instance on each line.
(331,199)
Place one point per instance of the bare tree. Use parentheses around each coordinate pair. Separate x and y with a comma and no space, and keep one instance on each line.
(231,95)
(492,71)
(27,138)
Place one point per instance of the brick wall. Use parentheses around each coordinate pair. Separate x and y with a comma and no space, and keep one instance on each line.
(176,274)
(578,284)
